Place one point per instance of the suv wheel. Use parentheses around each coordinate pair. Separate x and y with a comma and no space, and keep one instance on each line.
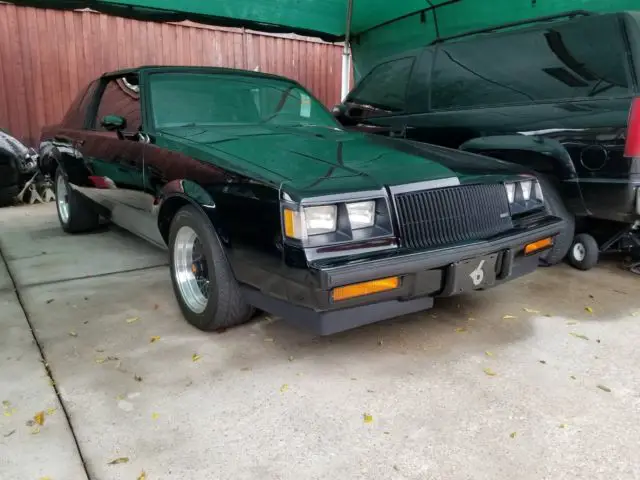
(207,292)
(74,211)
(584,252)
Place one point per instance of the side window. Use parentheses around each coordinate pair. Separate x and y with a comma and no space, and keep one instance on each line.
(121,97)
(77,114)
(385,88)
(562,62)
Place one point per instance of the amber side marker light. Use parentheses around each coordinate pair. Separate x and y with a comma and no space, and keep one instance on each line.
(539,245)
(365,288)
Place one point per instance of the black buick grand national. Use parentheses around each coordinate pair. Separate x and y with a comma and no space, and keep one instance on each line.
(264,201)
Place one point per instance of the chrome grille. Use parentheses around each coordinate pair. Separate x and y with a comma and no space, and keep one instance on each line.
(439,217)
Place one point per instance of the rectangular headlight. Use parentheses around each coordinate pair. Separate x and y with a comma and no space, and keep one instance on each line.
(526,188)
(361,214)
(310,221)
(320,220)
(511,191)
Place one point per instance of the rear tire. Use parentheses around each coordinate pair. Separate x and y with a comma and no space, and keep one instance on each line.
(74,211)
(555,206)
(584,252)
(204,285)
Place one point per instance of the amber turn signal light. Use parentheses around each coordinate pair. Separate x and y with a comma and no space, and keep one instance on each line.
(539,245)
(365,288)
(289,223)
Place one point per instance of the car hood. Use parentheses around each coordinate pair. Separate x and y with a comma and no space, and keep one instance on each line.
(314,160)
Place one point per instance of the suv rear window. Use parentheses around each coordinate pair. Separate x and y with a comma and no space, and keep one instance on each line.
(564,61)
(385,87)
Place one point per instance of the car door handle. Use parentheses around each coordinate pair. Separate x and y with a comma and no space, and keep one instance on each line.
(64,138)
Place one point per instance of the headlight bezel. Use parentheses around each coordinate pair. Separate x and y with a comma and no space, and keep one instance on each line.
(344,232)
(524,199)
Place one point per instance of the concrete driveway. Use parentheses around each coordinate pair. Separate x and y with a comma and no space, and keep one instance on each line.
(537,379)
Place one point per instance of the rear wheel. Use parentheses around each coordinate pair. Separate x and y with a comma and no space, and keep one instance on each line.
(74,211)
(203,282)
(555,206)
(584,252)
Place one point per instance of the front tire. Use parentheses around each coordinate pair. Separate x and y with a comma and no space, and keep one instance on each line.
(555,206)
(204,285)
(584,252)
(74,211)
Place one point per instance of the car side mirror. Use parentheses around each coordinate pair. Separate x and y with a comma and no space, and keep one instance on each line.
(113,123)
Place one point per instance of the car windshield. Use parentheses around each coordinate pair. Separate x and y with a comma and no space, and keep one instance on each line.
(188,99)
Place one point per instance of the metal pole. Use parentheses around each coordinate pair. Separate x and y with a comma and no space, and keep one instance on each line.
(346,53)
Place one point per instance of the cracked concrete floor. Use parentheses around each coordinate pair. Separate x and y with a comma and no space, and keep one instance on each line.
(267,401)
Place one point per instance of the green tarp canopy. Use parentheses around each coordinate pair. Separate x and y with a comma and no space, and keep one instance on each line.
(379,28)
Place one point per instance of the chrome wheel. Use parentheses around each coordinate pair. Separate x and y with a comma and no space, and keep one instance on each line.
(191,269)
(62,199)
(579,252)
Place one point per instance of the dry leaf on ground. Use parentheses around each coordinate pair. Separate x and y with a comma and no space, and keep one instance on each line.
(284,388)
(563,425)
(291,358)
(195,357)
(589,309)
(461,330)
(572,322)
(118,461)
(142,476)
(35,430)
(509,317)
(154,339)
(155,416)
(133,319)
(39,418)
(513,434)
(488,353)
(51,411)
(489,372)
(604,388)
(579,335)
(367,418)
(73,334)
(530,310)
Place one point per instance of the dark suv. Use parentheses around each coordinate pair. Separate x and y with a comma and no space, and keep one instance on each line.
(557,94)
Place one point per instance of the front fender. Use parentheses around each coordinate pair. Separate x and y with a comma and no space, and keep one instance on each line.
(550,148)
(511,147)
(176,194)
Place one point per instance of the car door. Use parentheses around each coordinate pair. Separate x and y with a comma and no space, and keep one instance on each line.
(114,158)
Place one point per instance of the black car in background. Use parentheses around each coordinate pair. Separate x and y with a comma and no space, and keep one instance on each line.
(559,95)
(17,164)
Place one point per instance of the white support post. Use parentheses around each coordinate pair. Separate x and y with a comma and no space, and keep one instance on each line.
(346,72)
(346,53)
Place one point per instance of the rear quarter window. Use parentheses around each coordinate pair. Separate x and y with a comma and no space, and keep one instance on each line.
(77,114)
(385,87)
(562,62)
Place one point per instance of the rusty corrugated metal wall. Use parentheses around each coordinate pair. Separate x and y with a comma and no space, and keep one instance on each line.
(47,55)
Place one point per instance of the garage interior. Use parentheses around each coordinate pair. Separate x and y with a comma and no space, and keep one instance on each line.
(535,379)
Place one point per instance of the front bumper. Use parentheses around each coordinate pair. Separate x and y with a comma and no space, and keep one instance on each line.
(425,275)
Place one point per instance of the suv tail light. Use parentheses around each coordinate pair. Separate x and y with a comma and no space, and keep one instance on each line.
(632,146)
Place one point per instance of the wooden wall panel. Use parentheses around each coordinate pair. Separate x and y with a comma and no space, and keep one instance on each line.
(48,55)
